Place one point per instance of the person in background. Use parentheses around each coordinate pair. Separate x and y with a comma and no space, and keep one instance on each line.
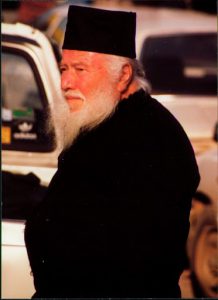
(115,219)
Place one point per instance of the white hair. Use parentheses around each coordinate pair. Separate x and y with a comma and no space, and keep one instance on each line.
(98,106)
(102,105)
(115,64)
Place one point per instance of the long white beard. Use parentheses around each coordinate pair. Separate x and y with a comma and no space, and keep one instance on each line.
(94,111)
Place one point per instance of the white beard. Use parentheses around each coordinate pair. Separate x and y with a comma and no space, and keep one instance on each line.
(69,124)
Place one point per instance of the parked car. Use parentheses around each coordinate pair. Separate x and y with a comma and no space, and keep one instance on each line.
(178,51)
(30,83)
(202,246)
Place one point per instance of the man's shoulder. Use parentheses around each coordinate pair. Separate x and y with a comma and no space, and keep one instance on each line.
(144,110)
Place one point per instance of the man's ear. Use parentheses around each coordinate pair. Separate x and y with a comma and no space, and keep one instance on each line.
(125,78)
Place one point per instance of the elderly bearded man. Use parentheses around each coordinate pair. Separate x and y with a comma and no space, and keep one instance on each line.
(115,219)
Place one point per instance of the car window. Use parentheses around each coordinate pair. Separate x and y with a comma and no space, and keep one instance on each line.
(181,64)
(24,105)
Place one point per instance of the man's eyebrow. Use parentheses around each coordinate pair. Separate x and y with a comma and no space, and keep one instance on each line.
(76,63)
(61,64)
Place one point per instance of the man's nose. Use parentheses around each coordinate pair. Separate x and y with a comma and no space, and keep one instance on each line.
(67,81)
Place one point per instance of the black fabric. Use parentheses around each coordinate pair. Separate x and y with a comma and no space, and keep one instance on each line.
(102,31)
(115,219)
(20,194)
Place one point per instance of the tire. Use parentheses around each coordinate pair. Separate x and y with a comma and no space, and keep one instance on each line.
(203,255)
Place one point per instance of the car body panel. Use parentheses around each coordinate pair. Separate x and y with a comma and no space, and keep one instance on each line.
(17,281)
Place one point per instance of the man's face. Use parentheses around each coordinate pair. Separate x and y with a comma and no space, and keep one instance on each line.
(90,92)
(83,76)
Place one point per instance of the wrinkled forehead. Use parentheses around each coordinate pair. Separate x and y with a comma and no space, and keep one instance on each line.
(86,57)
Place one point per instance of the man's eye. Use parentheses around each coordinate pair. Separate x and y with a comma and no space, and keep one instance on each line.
(80,69)
(62,70)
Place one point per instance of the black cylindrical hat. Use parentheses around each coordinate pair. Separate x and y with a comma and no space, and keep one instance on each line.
(102,31)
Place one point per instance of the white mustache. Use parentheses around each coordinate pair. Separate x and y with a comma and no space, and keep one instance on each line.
(73,94)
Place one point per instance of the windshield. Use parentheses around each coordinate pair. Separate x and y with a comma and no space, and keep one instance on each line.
(181,63)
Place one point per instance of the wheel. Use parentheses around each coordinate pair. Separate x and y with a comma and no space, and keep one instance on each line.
(203,255)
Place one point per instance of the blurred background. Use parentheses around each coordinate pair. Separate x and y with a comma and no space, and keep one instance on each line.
(176,42)
(27,11)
